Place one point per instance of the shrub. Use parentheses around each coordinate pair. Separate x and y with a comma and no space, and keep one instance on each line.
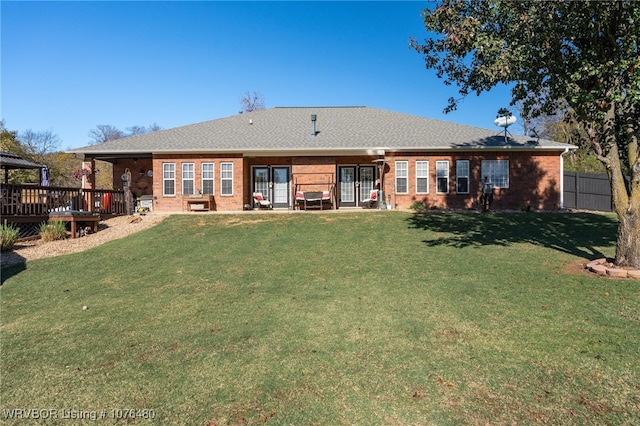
(52,231)
(419,206)
(8,235)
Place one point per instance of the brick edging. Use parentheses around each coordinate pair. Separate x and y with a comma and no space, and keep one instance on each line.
(600,267)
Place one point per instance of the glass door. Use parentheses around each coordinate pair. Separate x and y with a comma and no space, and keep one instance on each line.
(261,181)
(280,186)
(347,186)
(273,184)
(366,178)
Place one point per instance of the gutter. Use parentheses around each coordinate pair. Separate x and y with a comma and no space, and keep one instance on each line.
(314,150)
(276,152)
(566,150)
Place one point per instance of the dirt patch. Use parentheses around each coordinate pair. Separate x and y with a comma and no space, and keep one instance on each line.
(577,268)
(108,230)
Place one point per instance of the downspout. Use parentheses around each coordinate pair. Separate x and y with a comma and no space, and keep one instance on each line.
(566,150)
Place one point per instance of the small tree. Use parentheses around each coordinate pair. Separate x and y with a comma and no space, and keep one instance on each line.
(9,142)
(252,101)
(578,56)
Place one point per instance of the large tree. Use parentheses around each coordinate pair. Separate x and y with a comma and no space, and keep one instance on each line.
(578,56)
(105,133)
(39,144)
(39,147)
(9,141)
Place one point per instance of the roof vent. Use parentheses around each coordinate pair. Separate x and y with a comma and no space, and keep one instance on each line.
(313,124)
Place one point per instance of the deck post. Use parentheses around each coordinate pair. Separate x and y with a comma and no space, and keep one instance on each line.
(89,182)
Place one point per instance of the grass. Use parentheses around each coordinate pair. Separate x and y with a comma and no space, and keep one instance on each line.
(355,318)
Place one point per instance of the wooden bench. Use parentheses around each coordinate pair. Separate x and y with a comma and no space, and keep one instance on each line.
(204,203)
(75,217)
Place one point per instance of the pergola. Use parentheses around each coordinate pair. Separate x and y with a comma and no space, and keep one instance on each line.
(9,161)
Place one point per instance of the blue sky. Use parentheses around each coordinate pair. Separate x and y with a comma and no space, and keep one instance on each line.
(70,66)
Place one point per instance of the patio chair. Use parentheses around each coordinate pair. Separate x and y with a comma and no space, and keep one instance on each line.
(313,200)
(372,201)
(261,202)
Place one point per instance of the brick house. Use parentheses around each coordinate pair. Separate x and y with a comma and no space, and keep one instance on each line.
(344,151)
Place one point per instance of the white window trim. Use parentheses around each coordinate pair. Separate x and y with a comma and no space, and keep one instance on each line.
(192,179)
(405,177)
(458,176)
(422,177)
(485,172)
(222,178)
(165,179)
(212,179)
(447,177)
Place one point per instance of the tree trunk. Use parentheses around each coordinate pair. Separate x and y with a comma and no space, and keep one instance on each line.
(628,244)
(626,202)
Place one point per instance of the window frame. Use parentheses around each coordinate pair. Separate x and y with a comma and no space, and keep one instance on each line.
(204,178)
(224,178)
(402,173)
(166,179)
(497,178)
(438,177)
(188,176)
(420,176)
(460,176)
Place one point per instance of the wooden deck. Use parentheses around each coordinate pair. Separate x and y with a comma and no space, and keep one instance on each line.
(27,206)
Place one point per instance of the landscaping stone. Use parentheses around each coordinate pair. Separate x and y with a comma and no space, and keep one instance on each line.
(604,268)
(617,272)
(634,273)
(598,269)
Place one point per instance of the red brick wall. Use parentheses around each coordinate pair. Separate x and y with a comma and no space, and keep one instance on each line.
(534,180)
(175,203)
(314,173)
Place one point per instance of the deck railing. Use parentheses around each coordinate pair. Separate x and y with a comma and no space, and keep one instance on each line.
(33,200)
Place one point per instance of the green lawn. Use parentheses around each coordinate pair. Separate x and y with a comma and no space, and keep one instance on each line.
(320,319)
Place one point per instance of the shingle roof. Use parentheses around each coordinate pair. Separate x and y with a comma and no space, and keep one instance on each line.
(337,129)
(12,161)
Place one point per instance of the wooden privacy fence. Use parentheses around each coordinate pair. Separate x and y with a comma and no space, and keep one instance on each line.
(587,191)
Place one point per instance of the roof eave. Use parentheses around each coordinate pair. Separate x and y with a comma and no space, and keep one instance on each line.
(482,148)
(280,152)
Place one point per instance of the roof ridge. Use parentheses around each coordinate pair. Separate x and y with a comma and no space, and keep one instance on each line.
(325,106)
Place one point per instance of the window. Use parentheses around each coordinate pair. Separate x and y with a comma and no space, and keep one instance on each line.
(188,177)
(226,178)
(462,176)
(442,177)
(402,177)
(422,177)
(168,179)
(208,178)
(497,172)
